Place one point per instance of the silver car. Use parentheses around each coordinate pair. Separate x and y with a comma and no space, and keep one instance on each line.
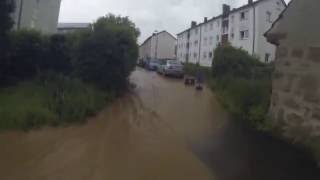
(172,67)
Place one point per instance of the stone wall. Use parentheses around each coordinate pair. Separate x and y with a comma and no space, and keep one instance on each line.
(295,104)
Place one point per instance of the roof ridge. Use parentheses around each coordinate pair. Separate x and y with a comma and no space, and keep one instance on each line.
(231,11)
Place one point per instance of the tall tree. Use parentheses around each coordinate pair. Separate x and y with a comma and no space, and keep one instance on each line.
(6,23)
(6,9)
(109,54)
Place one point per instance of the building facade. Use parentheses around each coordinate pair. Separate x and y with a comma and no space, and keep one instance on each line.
(41,15)
(160,45)
(71,27)
(242,27)
(295,104)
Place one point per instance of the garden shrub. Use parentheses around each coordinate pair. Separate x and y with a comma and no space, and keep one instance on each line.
(58,79)
(243,85)
(107,56)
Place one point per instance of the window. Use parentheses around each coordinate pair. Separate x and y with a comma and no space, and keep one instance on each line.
(204,55)
(218,23)
(211,40)
(195,55)
(218,38)
(266,58)
(196,43)
(232,19)
(210,55)
(244,34)
(232,35)
(196,31)
(268,16)
(244,15)
(205,41)
(211,26)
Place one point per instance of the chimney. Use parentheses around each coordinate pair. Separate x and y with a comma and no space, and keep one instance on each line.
(225,9)
(205,19)
(193,24)
(250,1)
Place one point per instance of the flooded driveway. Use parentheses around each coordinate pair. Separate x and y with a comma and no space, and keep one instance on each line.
(163,130)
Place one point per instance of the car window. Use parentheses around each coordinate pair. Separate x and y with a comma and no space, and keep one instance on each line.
(162,62)
(173,62)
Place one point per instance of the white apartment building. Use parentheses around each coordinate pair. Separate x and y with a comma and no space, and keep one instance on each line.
(41,15)
(242,27)
(160,45)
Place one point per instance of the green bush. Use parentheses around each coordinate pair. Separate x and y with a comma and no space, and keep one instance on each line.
(57,55)
(6,8)
(229,60)
(72,100)
(243,85)
(60,100)
(27,54)
(108,54)
(24,107)
(59,79)
(247,100)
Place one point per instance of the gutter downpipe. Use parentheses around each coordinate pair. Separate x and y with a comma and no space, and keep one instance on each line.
(254,29)
(200,42)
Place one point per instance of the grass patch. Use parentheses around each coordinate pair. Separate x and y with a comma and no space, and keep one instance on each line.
(56,101)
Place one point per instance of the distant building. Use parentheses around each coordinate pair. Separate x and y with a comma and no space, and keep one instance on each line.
(71,27)
(41,15)
(242,27)
(295,105)
(158,46)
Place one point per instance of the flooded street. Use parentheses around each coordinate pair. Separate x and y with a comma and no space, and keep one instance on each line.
(146,135)
(163,130)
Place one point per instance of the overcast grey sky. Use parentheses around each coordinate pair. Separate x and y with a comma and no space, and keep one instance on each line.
(148,15)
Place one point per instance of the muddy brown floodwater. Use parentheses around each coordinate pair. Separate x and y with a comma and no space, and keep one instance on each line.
(163,130)
(143,136)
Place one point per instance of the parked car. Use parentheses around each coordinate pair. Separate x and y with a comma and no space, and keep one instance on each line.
(172,67)
(152,64)
(161,65)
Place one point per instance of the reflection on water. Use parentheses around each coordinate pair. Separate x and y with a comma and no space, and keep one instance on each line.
(244,154)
